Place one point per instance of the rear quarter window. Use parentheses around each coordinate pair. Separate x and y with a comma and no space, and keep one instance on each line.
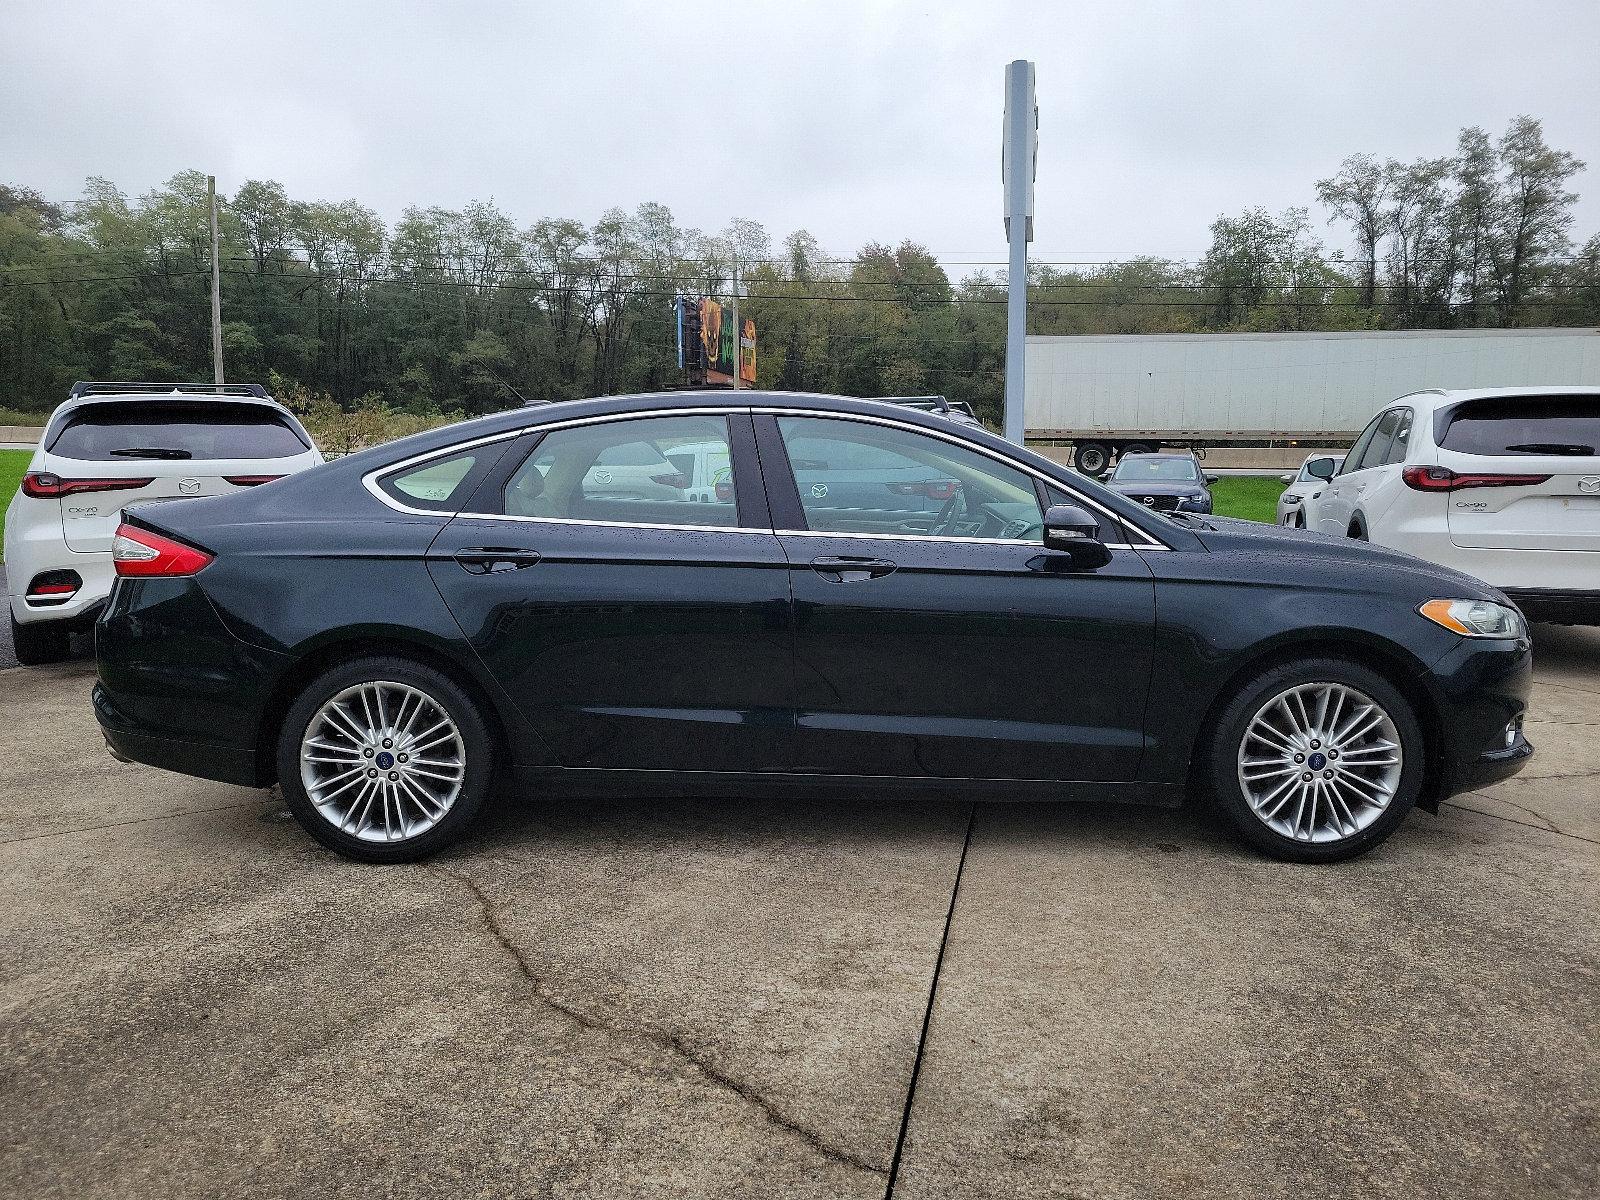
(198,430)
(1536,425)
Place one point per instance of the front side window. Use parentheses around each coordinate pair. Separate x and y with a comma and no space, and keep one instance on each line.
(859,478)
(646,471)
(1352,461)
(1378,447)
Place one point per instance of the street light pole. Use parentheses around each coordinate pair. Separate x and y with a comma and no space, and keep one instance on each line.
(1019,153)
(216,286)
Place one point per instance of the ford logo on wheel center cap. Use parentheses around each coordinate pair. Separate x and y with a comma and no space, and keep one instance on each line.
(385,760)
(1316,762)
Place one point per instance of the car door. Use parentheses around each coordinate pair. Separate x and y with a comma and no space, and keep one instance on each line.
(1338,501)
(631,630)
(944,641)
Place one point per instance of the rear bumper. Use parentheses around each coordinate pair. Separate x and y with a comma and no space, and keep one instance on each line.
(1560,606)
(96,570)
(130,743)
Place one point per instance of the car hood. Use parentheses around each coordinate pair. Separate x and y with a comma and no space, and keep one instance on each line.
(1346,554)
(1155,488)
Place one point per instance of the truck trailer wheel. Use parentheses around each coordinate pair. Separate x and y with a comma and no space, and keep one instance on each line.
(1136,448)
(1091,458)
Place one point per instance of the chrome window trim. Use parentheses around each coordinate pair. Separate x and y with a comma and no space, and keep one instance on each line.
(370,479)
(1156,543)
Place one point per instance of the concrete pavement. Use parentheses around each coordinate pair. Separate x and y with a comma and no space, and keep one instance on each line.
(653,998)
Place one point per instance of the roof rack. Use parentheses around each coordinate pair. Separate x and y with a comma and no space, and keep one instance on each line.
(113,388)
(930,403)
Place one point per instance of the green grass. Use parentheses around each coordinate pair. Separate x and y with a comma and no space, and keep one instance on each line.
(1253,497)
(12,464)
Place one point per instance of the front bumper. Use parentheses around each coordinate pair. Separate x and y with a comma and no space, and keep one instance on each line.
(1481,691)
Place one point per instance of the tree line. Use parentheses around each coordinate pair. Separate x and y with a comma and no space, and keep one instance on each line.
(466,311)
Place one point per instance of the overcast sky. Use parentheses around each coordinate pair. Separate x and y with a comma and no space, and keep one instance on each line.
(872,120)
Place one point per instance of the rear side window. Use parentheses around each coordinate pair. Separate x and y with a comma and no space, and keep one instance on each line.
(194,429)
(1539,425)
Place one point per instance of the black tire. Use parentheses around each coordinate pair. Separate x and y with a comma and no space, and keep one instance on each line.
(40,642)
(1219,764)
(1092,458)
(477,779)
(1136,448)
(1357,530)
(1299,521)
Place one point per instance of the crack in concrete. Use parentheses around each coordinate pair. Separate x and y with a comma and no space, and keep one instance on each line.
(188,812)
(673,1043)
(1532,812)
(1577,837)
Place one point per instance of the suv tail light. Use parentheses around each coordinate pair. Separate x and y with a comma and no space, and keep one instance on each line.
(677,479)
(250,480)
(1443,479)
(138,552)
(47,485)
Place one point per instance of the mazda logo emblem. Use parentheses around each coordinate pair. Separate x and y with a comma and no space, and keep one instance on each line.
(1149,499)
(189,487)
(1589,485)
(819,490)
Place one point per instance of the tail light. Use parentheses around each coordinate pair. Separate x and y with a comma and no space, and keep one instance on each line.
(250,480)
(1443,479)
(47,485)
(677,479)
(138,552)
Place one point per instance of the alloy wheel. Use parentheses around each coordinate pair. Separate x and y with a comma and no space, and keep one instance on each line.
(382,761)
(1320,762)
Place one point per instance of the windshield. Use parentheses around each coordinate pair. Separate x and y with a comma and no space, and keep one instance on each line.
(1156,470)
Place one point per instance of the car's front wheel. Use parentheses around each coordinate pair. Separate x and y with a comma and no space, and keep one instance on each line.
(1317,760)
(39,642)
(385,760)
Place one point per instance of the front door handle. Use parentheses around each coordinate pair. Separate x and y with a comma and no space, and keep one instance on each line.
(846,569)
(493,560)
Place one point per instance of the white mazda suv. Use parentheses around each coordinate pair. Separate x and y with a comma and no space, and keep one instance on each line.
(1502,483)
(116,444)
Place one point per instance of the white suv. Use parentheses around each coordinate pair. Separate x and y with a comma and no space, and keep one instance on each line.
(112,445)
(1502,483)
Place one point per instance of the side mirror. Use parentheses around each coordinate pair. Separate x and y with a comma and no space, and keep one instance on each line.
(1286,479)
(1073,532)
(1320,468)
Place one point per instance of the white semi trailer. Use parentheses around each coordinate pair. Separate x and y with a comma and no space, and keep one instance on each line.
(1126,393)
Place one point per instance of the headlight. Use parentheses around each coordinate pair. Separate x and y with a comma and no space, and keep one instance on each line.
(1476,618)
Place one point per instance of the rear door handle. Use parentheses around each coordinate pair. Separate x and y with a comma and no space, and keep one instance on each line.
(493,560)
(846,569)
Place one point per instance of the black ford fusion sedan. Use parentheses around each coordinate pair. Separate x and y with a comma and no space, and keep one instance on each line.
(723,593)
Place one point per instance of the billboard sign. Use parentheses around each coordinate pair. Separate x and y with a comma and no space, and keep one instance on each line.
(717,336)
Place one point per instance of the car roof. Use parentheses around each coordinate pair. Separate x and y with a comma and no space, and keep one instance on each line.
(1153,455)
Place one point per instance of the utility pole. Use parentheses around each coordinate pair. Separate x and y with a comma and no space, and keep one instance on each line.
(216,287)
(738,334)
(1019,155)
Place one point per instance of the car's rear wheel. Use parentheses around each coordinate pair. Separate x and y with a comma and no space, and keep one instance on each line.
(1299,520)
(385,760)
(39,642)
(1317,760)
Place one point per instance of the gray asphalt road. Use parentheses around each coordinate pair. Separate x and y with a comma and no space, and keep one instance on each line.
(728,999)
